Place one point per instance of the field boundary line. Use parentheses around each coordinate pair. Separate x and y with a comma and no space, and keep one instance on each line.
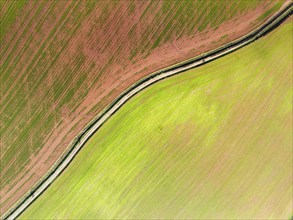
(78,142)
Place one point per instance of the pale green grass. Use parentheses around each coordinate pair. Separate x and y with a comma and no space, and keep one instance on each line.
(213,142)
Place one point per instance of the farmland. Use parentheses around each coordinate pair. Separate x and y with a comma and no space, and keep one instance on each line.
(62,62)
(213,142)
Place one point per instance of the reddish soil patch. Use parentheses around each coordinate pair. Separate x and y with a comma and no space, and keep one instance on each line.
(93,53)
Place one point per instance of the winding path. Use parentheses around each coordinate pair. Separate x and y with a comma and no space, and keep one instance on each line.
(86,133)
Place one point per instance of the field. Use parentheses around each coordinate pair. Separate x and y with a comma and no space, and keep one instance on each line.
(62,62)
(213,142)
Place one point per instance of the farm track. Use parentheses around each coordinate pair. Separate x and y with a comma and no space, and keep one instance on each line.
(77,144)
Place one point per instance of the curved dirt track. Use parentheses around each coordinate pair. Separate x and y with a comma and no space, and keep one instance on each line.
(78,143)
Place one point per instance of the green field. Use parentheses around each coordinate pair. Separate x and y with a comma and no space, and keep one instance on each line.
(213,142)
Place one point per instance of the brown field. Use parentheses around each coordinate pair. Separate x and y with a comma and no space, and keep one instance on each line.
(63,62)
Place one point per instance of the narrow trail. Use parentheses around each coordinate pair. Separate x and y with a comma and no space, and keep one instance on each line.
(86,133)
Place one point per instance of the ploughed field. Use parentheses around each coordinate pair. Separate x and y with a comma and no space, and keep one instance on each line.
(62,62)
(213,142)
